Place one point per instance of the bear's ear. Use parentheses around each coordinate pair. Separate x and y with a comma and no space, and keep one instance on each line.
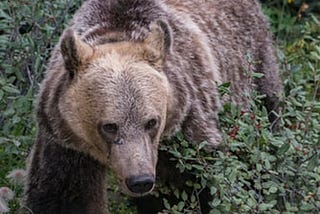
(74,51)
(158,42)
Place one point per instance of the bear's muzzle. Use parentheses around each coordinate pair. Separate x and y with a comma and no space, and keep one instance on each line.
(140,184)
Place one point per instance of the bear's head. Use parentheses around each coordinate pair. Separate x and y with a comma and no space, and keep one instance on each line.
(116,103)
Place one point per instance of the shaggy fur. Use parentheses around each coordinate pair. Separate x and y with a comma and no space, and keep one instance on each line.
(129,62)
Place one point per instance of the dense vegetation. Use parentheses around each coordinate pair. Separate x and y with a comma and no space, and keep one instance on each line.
(259,171)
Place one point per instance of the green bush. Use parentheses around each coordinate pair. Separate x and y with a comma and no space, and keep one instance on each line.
(257,172)
(28,32)
(261,171)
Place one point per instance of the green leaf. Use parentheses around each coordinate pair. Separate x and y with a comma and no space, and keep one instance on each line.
(283,149)
(197,166)
(313,162)
(166,204)
(213,190)
(180,205)
(273,189)
(10,89)
(233,175)
(193,198)
(184,196)
(1,94)
(257,75)
(176,193)
(215,202)
(251,202)
(267,164)
(258,167)
(225,85)
(315,55)
(307,207)
(196,186)
(5,15)
(265,207)
(202,145)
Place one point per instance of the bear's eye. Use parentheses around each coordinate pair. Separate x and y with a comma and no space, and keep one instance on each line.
(110,128)
(151,124)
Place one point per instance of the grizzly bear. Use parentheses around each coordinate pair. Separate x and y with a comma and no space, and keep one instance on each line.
(128,73)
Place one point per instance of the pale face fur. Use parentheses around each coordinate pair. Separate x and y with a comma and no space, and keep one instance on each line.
(116,103)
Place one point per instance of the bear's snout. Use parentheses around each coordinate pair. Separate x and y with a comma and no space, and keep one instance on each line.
(140,184)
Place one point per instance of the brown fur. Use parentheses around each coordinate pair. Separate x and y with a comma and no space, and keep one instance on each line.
(127,62)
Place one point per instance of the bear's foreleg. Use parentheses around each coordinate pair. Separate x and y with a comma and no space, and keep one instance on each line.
(62,180)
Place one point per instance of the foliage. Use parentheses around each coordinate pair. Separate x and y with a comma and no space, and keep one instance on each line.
(28,31)
(258,172)
(286,16)
(261,171)
(25,43)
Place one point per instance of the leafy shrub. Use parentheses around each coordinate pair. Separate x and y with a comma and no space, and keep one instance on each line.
(28,31)
(261,171)
(25,43)
(286,16)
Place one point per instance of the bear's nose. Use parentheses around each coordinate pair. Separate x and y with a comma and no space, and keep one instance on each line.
(140,184)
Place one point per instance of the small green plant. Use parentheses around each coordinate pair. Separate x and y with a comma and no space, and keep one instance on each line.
(261,171)
(28,32)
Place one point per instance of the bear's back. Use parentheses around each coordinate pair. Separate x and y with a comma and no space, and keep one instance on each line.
(235,34)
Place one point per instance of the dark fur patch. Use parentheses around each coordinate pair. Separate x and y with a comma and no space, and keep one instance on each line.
(68,183)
